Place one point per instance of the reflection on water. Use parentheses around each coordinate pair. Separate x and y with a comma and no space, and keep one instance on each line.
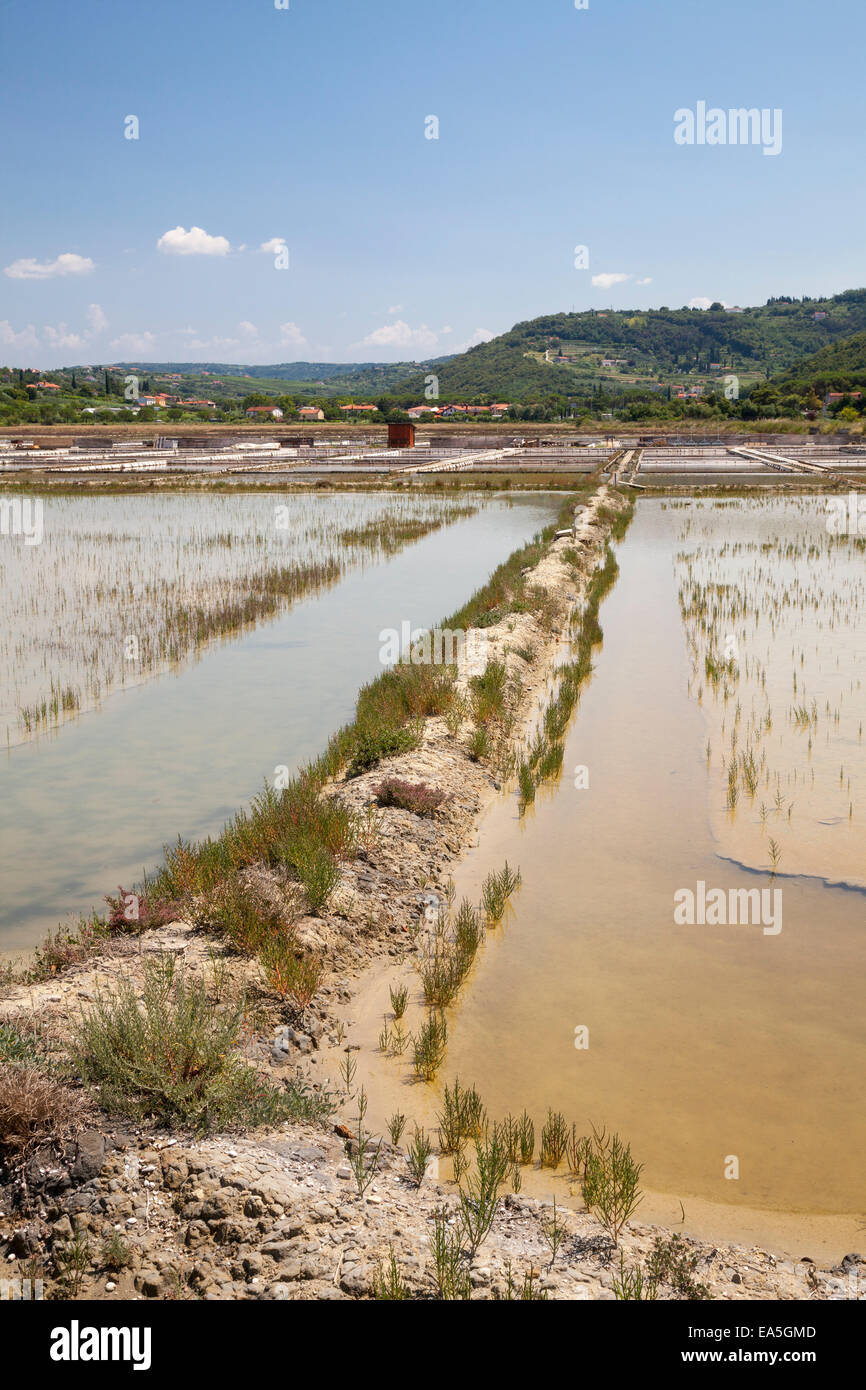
(774,604)
(91,806)
(120,587)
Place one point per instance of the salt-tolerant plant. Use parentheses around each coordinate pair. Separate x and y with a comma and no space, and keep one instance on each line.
(632,1285)
(496,890)
(672,1263)
(429,1047)
(172,1056)
(72,1260)
(554,1232)
(399,999)
(348,1068)
(418,1156)
(525,1292)
(462,1117)
(388,1283)
(396,1125)
(479,1190)
(554,1139)
(526,1139)
(611,1188)
(363,1158)
(451,1271)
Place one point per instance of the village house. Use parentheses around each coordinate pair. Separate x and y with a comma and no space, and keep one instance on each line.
(310,412)
(358,409)
(256,411)
(47,386)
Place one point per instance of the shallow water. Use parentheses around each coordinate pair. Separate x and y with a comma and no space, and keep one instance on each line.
(706,1043)
(769,583)
(100,592)
(89,806)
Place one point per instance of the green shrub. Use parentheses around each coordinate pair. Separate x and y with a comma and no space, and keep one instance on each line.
(371,744)
(172,1057)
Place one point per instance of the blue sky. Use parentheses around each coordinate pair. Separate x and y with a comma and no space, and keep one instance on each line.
(556,129)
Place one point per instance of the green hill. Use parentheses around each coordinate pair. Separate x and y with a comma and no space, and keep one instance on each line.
(837,367)
(564,354)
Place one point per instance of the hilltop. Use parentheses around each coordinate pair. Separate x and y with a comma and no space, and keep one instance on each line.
(577,354)
(654,364)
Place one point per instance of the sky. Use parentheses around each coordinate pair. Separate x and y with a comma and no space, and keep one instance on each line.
(284,199)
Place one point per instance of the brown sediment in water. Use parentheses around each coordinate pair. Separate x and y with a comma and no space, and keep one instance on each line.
(365,937)
(705,1042)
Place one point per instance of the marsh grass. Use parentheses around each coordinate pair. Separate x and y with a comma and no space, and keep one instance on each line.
(554,1139)
(196,569)
(399,999)
(497,889)
(429,1045)
(611,1189)
(463,1116)
(363,1156)
(418,1156)
(451,1271)
(479,1189)
(388,1283)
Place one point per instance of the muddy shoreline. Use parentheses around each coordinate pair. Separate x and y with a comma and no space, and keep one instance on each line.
(276,1214)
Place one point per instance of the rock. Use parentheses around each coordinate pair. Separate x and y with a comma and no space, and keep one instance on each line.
(197,1234)
(357,1280)
(24,1242)
(149,1283)
(174,1171)
(90,1157)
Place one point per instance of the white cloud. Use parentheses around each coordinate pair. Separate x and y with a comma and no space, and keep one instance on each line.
(96,320)
(136,344)
(700,302)
(195,242)
(481,335)
(446,330)
(608,278)
(399,334)
(647,280)
(26,338)
(66,264)
(247,329)
(60,337)
(396,309)
(275,245)
(291,336)
(214,344)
